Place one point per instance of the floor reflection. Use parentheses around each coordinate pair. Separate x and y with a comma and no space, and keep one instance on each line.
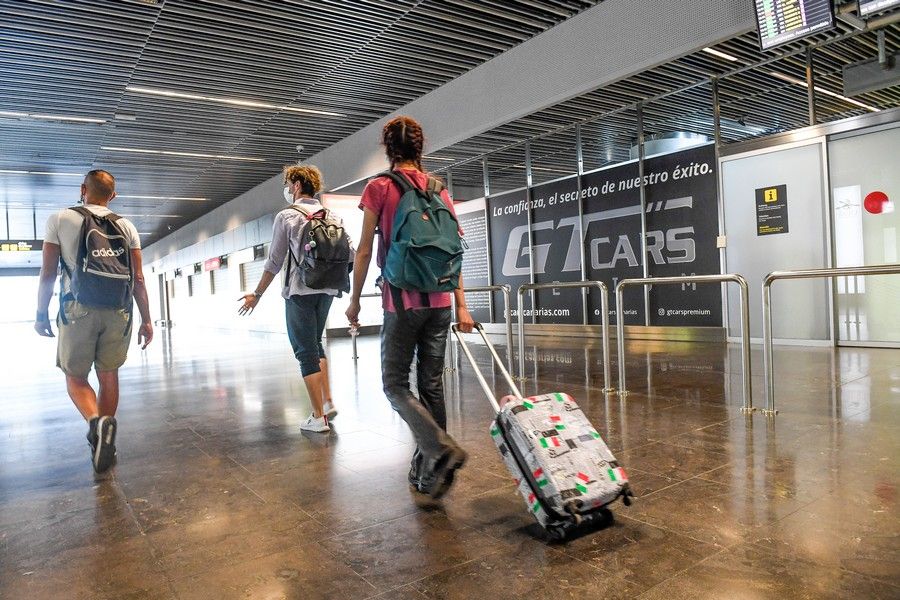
(217,493)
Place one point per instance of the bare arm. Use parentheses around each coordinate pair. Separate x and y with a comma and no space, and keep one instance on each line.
(49,266)
(145,331)
(361,264)
(463,318)
(251,300)
(278,251)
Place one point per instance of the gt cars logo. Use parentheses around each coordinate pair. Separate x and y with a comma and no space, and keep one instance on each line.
(672,246)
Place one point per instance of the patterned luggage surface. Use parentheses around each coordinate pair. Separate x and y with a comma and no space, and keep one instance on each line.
(569,462)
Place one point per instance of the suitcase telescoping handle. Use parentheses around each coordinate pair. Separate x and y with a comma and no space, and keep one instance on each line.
(484,384)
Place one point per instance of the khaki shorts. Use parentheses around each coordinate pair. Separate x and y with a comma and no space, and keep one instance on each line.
(94,336)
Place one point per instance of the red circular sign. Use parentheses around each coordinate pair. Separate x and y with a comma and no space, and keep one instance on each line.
(875,202)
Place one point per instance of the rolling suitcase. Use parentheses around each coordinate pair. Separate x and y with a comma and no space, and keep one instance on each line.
(561,465)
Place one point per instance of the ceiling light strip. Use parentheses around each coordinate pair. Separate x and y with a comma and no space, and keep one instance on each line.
(21,115)
(12,172)
(822,90)
(232,101)
(153,216)
(131,197)
(720,54)
(174,153)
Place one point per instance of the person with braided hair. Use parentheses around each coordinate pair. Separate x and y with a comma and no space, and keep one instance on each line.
(417,328)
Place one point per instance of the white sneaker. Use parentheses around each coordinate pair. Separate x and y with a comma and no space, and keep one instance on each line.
(319,425)
(330,410)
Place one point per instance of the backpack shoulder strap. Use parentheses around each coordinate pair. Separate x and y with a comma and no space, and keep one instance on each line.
(402,182)
(84,212)
(435,186)
(308,213)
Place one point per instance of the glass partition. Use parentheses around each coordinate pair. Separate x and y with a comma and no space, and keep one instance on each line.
(677,121)
(866,233)
(20,223)
(682,209)
(764,101)
(609,140)
(467,180)
(506,169)
(554,156)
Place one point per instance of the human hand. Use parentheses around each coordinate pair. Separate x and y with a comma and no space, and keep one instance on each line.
(464,320)
(353,313)
(44,328)
(250,301)
(145,334)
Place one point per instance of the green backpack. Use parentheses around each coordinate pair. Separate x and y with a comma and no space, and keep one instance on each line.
(425,252)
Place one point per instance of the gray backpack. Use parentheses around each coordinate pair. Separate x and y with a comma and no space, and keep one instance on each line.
(323,260)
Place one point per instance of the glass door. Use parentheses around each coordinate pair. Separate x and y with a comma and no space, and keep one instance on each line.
(865,186)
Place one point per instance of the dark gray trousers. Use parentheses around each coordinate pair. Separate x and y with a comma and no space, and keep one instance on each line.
(419,334)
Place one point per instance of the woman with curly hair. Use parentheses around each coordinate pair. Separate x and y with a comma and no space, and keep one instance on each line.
(306,309)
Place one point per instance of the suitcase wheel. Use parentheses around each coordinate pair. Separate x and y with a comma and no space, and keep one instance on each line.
(627,495)
(557,533)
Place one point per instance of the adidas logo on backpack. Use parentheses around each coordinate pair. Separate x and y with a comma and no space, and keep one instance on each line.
(107,252)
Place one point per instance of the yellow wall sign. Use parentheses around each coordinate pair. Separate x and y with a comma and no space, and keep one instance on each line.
(20,245)
(771,210)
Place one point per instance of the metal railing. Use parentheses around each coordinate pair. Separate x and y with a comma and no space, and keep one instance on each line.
(747,408)
(768,360)
(506,291)
(604,321)
(354,334)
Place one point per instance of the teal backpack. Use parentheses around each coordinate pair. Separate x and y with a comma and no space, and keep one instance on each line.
(426,250)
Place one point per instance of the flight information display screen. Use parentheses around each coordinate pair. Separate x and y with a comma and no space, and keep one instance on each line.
(782,21)
(870,7)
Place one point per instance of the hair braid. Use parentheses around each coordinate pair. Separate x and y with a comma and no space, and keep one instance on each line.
(403,141)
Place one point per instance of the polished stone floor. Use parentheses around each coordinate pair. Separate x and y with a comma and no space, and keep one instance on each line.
(218,495)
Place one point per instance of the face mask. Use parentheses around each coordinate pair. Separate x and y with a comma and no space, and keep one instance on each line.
(288,196)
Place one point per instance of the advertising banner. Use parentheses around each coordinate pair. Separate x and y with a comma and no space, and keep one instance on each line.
(476,266)
(612,241)
(682,226)
(554,219)
(510,247)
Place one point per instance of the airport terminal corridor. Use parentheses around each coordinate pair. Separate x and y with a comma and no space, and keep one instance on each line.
(676,220)
(218,494)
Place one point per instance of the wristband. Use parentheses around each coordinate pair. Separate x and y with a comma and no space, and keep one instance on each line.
(258,295)
(42,316)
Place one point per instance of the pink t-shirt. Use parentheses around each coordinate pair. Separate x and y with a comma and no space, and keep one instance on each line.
(382,196)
